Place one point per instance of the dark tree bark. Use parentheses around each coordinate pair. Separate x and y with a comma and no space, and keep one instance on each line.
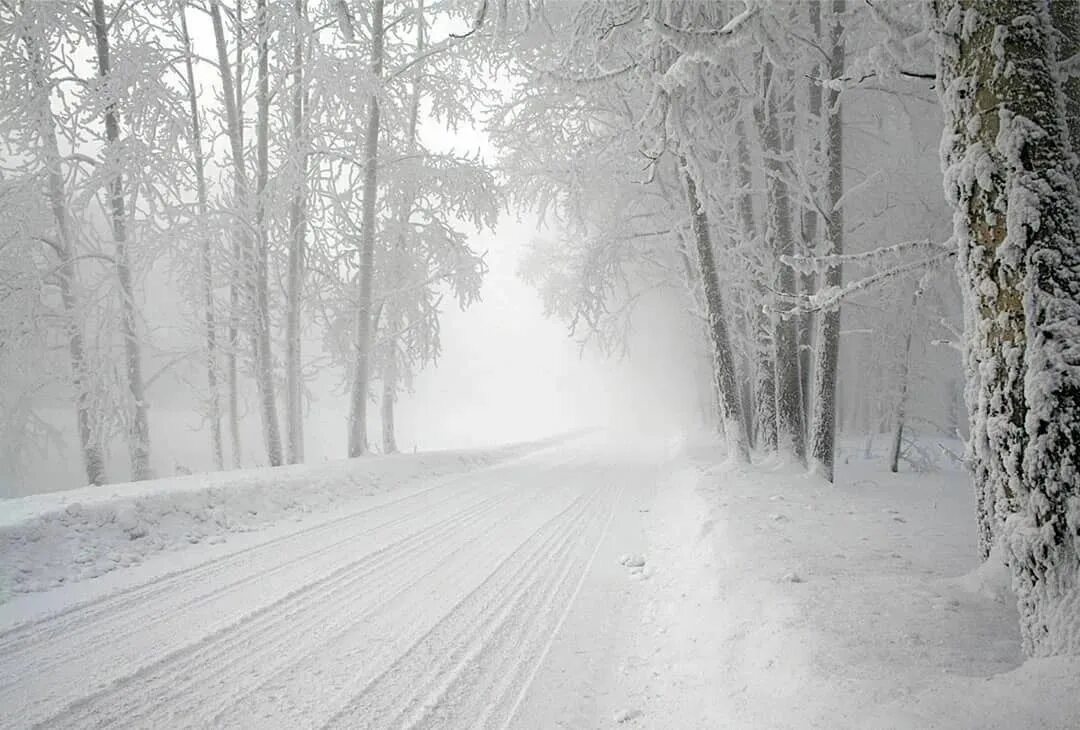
(761,328)
(823,436)
(781,242)
(723,358)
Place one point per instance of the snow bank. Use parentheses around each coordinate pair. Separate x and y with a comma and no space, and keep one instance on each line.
(57,538)
(848,606)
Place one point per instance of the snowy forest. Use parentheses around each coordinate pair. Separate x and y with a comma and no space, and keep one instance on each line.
(821,254)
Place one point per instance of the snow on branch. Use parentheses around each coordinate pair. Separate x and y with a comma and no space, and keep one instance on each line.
(821,264)
(700,44)
(831,297)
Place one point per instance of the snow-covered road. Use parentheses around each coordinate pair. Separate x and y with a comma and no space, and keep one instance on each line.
(470,601)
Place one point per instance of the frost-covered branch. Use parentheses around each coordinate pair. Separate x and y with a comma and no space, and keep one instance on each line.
(831,297)
(820,264)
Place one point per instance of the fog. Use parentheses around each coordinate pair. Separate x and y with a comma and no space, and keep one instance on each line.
(539,363)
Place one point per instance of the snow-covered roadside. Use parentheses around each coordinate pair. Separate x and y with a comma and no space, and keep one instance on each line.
(60,538)
(779,601)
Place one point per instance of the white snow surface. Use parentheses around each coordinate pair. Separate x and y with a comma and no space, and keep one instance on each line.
(60,538)
(588,584)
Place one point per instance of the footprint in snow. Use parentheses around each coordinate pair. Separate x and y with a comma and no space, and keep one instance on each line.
(632,560)
(624,716)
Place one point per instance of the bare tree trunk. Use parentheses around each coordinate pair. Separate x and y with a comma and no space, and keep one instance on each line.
(361,372)
(790,421)
(900,412)
(253,255)
(807,281)
(234,127)
(207,265)
(823,436)
(404,214)
(1019,269)
(389,394)
(723,359)
(294,413)
(264,358)
(139,426)
(89,438)
(761,335)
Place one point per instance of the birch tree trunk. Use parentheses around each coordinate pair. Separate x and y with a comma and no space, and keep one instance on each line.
(294,413)
(1009,176)
(89,439)
(723,358)
(361,372)
(207,265)
(139,425)
(823,435)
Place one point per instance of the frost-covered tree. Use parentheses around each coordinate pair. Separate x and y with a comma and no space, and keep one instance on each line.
(1009,174)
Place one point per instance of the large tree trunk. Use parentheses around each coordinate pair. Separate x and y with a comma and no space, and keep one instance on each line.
(1009,177)
(139,425)
(206,251)
(264,358)
(89,438)
(723,358)
(1065,15)
(294,413)
(823,436)
(761,334)
(361,371)
(780,242)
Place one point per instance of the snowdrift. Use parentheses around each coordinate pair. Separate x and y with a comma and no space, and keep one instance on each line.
(57,538)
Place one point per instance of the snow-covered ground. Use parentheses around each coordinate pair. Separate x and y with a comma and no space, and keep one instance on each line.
(57,538)
(587,583)
(784,602)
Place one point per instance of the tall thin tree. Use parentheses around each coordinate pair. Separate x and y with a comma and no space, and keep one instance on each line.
(64,246)
(206,251)
(139,424)
(362,367)
(823,432)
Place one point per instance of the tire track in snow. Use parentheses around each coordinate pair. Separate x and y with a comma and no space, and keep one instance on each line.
(36,630)
(225,659)
(440,612)
(444,675)
(121,640)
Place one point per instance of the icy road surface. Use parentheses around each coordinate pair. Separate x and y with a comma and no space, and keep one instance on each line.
(490,599)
